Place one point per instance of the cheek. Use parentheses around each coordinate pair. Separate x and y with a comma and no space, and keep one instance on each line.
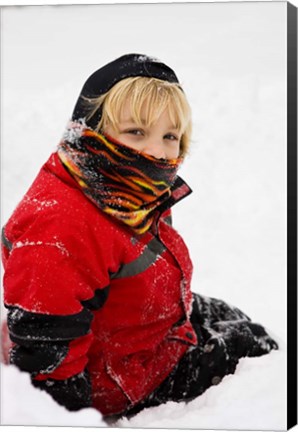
(174,151)
(109,130)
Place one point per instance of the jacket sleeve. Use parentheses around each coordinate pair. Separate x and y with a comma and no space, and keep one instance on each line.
(50,297)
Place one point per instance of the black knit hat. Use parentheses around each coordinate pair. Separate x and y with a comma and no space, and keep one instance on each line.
(129,65)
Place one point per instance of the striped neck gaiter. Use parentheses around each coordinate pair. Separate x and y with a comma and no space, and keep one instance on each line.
(122,182)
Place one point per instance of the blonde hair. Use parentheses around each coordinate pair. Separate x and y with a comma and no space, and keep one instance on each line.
(150,93)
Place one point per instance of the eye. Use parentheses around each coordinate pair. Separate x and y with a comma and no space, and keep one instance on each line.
(171,137)
(137,132)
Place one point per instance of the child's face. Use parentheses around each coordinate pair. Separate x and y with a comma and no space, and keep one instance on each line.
(161,140)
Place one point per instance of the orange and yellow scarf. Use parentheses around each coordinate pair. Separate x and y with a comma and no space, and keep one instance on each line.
(124,183)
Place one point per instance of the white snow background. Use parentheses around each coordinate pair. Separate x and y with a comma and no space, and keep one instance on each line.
(231,61)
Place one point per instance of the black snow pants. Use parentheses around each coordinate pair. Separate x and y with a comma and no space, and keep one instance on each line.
(225,335)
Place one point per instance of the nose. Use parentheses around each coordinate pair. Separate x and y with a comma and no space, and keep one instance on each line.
(154,148)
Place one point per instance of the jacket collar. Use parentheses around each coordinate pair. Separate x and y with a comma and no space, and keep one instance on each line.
(179,190)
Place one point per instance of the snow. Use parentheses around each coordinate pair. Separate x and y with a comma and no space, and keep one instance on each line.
(144,58)
(209,410)
(23,404)
(57,245)
(230,59)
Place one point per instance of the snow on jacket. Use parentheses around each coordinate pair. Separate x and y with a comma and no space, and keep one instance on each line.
(87,298)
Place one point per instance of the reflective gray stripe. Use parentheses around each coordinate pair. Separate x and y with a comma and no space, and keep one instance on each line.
(149,255)
(168,220)
(5,240)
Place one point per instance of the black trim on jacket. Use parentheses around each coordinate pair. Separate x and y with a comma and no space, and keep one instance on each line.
(42,340)
(29,327)
(98,300)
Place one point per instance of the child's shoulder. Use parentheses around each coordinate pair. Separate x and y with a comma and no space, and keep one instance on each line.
(55,206)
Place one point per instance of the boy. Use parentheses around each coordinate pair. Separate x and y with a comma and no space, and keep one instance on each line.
(97,282)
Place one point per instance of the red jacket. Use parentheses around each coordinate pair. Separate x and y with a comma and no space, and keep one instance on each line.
(85,293)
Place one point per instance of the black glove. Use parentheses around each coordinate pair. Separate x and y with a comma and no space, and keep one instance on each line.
(74,393)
